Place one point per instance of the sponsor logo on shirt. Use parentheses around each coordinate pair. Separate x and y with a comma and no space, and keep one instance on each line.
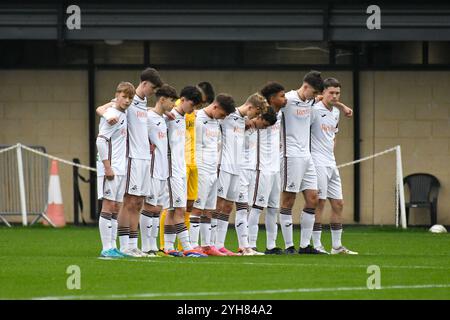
(162,135)
(212,133)
(328,128)
(238,130)
(141,114)
(303,112)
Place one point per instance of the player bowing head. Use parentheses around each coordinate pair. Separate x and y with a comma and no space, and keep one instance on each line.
(254,106)
(150,82)
(166,97)
(221,107)
(312,85)
(267,119)
(190,97)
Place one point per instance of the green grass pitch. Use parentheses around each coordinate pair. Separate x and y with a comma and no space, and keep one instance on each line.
(414,264)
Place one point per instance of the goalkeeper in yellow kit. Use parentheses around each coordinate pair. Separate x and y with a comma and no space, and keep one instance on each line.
(191,167)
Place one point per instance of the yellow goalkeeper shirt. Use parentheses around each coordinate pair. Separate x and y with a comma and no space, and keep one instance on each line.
(189,147)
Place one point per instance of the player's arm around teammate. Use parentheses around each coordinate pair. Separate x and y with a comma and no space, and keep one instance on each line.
(298,172)
(207,134)
(264,191)
(138,161)
(159,172)
(111,145)
(177,187)
(324,128)
(233,129)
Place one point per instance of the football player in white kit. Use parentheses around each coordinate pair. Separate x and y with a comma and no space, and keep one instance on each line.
(297,168)
(207,134)
(232,147)
(324,126)
(265,191)
(111,168)
(247,177)
(174,225)
(137,184)
(159,169)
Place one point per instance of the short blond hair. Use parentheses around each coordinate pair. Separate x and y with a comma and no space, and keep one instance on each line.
(259,102)
(127,88)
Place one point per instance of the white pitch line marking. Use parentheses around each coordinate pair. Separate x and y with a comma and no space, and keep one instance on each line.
(143,260)
(232,293)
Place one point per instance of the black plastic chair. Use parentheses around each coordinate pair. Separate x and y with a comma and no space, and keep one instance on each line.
(423,193)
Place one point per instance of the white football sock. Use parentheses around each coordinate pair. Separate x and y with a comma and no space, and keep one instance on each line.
(214,224)
(271,227)
(286,227)
(336,235)
(183,236)
(145,224)
(170,236)
(104,225)
(114,225)
(154,234)
(316,235)
(307,223)
(194,230)
(124,236)
(253,227)
(241,226)
(205,233)
(133,240)
(222,229)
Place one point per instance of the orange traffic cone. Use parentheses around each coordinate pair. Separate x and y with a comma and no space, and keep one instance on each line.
(55,210)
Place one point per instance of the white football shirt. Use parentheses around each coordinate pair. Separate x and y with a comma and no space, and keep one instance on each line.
(207,138)
(115,138)
(138,145)
(157,134)
(233,128)
(269,147)
(295,126)
(324,126)
(177,142)
(250,149)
